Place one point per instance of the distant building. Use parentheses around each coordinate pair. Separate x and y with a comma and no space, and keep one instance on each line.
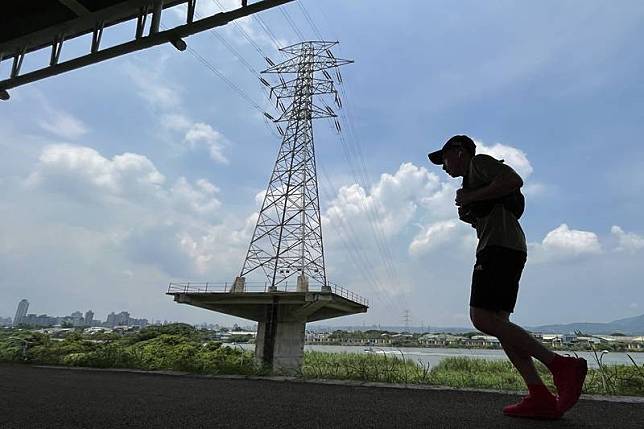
(142,323)
(5,321)
(21,312)
(89,318)
(120,319)
(77,319)
(39,320)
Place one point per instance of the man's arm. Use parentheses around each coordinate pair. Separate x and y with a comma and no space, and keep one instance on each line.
(502,185)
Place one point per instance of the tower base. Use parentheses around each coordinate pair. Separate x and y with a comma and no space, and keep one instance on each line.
(281,317)
(280,346)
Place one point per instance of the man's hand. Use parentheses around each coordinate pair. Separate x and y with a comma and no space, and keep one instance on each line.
(466,216)
(464,197)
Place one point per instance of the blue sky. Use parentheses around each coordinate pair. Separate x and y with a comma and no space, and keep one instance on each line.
(123,176)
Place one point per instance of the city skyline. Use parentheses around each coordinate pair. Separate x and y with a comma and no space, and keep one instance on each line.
(76,318)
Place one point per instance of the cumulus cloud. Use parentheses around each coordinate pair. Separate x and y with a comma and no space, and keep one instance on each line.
(83,169)
(177,229)
(82,172)
(433,236)
(197,199)
(627,241)
(565,243)
(514,157)
(572,241)
(389,205)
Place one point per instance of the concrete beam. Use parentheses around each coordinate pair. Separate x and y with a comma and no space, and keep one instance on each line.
(251,305)
(45,37)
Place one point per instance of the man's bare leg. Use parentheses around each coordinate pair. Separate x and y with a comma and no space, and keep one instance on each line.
(521,360)
(540,402)
(509,334)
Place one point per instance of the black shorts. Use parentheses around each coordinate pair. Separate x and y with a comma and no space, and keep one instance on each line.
(495,280)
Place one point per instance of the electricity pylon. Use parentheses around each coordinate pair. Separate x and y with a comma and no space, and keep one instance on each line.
(287,239)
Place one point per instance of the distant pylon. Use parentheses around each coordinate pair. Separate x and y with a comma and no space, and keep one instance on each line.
(287,239)
(406,320)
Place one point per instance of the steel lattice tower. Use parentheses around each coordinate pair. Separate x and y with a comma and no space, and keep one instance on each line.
(287,239)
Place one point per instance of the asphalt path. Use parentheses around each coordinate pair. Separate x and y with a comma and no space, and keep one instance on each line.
(37,397)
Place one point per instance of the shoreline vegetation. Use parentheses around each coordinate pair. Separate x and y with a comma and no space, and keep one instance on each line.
(181,347)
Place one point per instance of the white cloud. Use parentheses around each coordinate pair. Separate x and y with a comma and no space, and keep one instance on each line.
(83,168)
(564,243)
(390,205)
(82,173)
(196,199)
(177,228)
(515,158)
(203,134)
(533,189)
(167,100)
(433,236)
(627,241)
(63,124)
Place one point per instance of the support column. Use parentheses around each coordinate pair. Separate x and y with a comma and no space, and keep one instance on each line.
(302,283)
(239,285)
(280,342)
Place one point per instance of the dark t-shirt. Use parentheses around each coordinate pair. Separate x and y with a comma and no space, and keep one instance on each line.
(500,227)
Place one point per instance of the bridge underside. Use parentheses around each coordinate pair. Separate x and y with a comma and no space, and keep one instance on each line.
(259,306)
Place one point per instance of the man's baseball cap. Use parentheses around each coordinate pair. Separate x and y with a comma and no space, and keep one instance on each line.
(460,141)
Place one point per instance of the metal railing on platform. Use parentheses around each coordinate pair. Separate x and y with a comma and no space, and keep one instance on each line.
(226,287)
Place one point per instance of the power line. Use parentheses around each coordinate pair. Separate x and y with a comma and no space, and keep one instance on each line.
(232,49)
(315,28)
(354,151)
(345,231)
(228,82)
(243,32)
(220,75)
(267,30)
(291,23)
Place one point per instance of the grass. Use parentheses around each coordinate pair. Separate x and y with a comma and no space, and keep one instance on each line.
(181,348)
(462,372)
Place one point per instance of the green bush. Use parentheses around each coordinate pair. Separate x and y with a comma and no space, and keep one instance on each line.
(181,347)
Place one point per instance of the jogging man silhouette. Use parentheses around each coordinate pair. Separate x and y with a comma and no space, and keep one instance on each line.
(491,202)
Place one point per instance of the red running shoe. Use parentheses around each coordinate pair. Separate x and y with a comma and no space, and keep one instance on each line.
(569,374)
(531,407)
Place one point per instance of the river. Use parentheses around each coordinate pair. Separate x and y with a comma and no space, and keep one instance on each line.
(433,356)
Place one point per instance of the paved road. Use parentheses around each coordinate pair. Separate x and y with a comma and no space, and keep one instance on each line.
(32,397)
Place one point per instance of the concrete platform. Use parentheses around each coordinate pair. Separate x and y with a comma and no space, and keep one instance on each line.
(305,306)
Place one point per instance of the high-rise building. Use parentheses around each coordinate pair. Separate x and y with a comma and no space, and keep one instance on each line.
(77,318)
(121,319)
(39,320)
(89,318)
(21,312)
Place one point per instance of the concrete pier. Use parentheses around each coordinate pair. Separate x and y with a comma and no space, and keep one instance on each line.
(281,316)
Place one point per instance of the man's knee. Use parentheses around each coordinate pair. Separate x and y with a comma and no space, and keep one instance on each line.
(485,320)
(479,319)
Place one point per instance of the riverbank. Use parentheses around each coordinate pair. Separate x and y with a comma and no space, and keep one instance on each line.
(182,348)
(433,356)
(461,372)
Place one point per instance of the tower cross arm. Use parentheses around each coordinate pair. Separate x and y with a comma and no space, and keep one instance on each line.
(317,63)
(318,87)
